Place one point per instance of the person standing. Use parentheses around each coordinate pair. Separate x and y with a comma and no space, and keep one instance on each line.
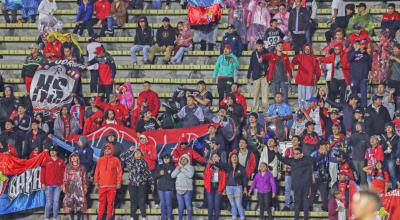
(376,116)
(34,61)
(358,142)
(165,185)
(232,38)
(51,178)
(298,25)
(214,185)
(107,179)
(94,42)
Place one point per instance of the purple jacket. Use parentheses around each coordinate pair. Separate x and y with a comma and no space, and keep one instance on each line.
(263,184)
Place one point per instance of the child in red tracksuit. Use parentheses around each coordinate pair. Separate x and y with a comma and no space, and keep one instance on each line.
(107,178)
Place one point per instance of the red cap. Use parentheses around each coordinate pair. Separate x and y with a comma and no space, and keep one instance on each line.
(228,46)
(99,50)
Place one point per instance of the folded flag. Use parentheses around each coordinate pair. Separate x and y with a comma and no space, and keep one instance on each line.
(204,14)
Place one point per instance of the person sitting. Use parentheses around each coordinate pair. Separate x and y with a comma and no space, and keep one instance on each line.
(117,16)
(72,43)
(391,19)
(84,18)
(258,20)
(143,40)
(165,39)
(9,6)
(183,43)
(282,17)
(363,18)
(52,49)
(102,9)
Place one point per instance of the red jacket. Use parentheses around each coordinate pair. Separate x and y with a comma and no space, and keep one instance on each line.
(363,38)
(153,102)
(272,59)
(52,172)
(102,9)
(207,179)
(121,111)
(373,155)
(240,99)
(149,154)
(178,152)
(91,125)
(344,62)
(108,171)
(52,51)
(250,163)
(309,72)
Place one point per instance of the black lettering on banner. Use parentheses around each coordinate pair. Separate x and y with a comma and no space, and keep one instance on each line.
(42,86)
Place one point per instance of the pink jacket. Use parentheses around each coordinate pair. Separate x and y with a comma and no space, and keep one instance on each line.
(127,98)
(283,21)
(254,10)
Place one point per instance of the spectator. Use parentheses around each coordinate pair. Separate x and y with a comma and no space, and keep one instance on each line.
(147,99)
(85,153)
(360,65)
(72,43)
(204,99)
(253,131)
(359,35)
(94,42)
(184,173)
(238,12)
(75,187)
(379,177)
(391,19)
(106,70)
(183,43)
(190,115)
(232,38)
(29,11)
(9,136)
(363,18)
(107,179)
(272,36)
(51,178)
(225,71)
(165,185)
(118,149)
(256,77)
(258,20)
(310,139)
(21,120)
(64,124)
(43,125)
(321,177)
(338,14)
(279,73)
(136,4)
(308,73)
(102,9)
(373,154)
(143,40)
(35,140)
(377,115)
(93,123)
(183,149)
(236,184)
(390,143)
(299,125)
(336,209)
(289,153)
(298,25)
(84,19)
(78,110)
(338,38)
(149,152)
(282,18)
(121,111)
(279,114)
(165,38)
(125,95)
(394,79)
(233,109)
(247,158)
(387,98)
(265,185)
(9,6)
(33,62)
(268,156)
(8,149)
(52,49)
(139,177)
(215,178)
(117,16)
(358,142)
(46,10)
(147,123)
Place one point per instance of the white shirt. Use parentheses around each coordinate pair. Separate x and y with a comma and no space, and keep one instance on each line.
(91,48)
(339,4)
(314,115)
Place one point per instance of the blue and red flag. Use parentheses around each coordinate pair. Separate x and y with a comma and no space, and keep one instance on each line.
(204,14)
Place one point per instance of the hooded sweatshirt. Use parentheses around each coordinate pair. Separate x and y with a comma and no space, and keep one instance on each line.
(102,9)
(360,64)
(165,182)
(224,67)
(108,171)
(52,172)
(308,72)
(166,36)
(121,111)
(184,175)
(85,154)
(91,125)
(127,99)
(149,154)
(144,36)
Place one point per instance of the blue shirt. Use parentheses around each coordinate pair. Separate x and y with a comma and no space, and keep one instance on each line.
(282,109)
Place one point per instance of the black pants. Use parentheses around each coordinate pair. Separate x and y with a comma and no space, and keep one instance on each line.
(79,216)
(103,26)
(82,26)
(94,80)
(106,89)
(339,23)
(396,85)
(298,42)
(224,87)
(264,200)
(301,200)
(321,186)
(138,197)
(7,17)
(337,88)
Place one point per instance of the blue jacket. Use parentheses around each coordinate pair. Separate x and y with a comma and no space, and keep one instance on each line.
(360,64)
(86,157)
(84,14)
(235,41)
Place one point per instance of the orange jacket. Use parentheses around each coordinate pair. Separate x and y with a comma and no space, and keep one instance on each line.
(108,171)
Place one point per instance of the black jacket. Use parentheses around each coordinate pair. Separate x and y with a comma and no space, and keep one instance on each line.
(38,143)
(145,36)
(236,177)
(166,36)
(256,69)
(14,138)
(348,111)
(360,64)
(358,142)
(393,142)
(165,182)
(375,121)
(304,21)
(235,41)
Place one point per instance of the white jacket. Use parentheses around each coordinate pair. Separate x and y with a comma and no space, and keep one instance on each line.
(47,8)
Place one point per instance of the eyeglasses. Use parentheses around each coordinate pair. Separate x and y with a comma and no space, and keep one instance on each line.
(297,153)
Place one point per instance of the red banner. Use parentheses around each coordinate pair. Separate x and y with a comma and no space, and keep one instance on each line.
(10,165)
(204,15)
(391,202)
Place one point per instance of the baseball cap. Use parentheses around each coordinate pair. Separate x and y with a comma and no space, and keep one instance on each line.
(362,5)
(357,26)
(312,99)
(228,46)
(375,97)
(99,50)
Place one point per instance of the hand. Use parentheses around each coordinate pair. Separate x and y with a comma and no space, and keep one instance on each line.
(118,186)
(289,34)
(276,149)
(132,148)
(152,187)
(260,60)
(43,187)
(392,91)
(273,195)
(162,172)
(63,188)
(50,136)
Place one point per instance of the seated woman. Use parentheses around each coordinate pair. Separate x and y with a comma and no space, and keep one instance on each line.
(117,16)
(183,43)
(283,19)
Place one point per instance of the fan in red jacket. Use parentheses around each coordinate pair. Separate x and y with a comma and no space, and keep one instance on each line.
(273,59)
(102,9)
(250,161)
(240,99)
(182,148)
(391,19)
(93,123)
(106,69)
(52,49)
(149,152)
(359,35)
(147,99)
(308,73)
(121,111)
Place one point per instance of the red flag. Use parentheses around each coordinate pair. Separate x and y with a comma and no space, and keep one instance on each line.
(391,202)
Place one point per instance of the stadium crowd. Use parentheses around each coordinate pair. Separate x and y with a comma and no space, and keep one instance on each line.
(345,131)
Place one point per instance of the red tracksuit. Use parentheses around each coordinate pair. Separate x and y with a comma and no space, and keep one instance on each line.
(240,99)
(149,154)
(102,8)
(52,172)
(153,103)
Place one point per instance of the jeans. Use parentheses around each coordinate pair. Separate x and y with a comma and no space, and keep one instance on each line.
(337,87)
(391,166)
(185,200)
(360,86)
(235,194)
(110,23)
(298,42)
(264,199)
(179,55)
(81,27)
(166,204)
(305,92)
(138,199)
(288,190)
(52,201)
(7,17)
(214,202)
(136,48)
(156,4)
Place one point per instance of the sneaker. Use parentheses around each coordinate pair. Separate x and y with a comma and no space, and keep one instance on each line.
(108,32)
(165,62)
(286,209)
